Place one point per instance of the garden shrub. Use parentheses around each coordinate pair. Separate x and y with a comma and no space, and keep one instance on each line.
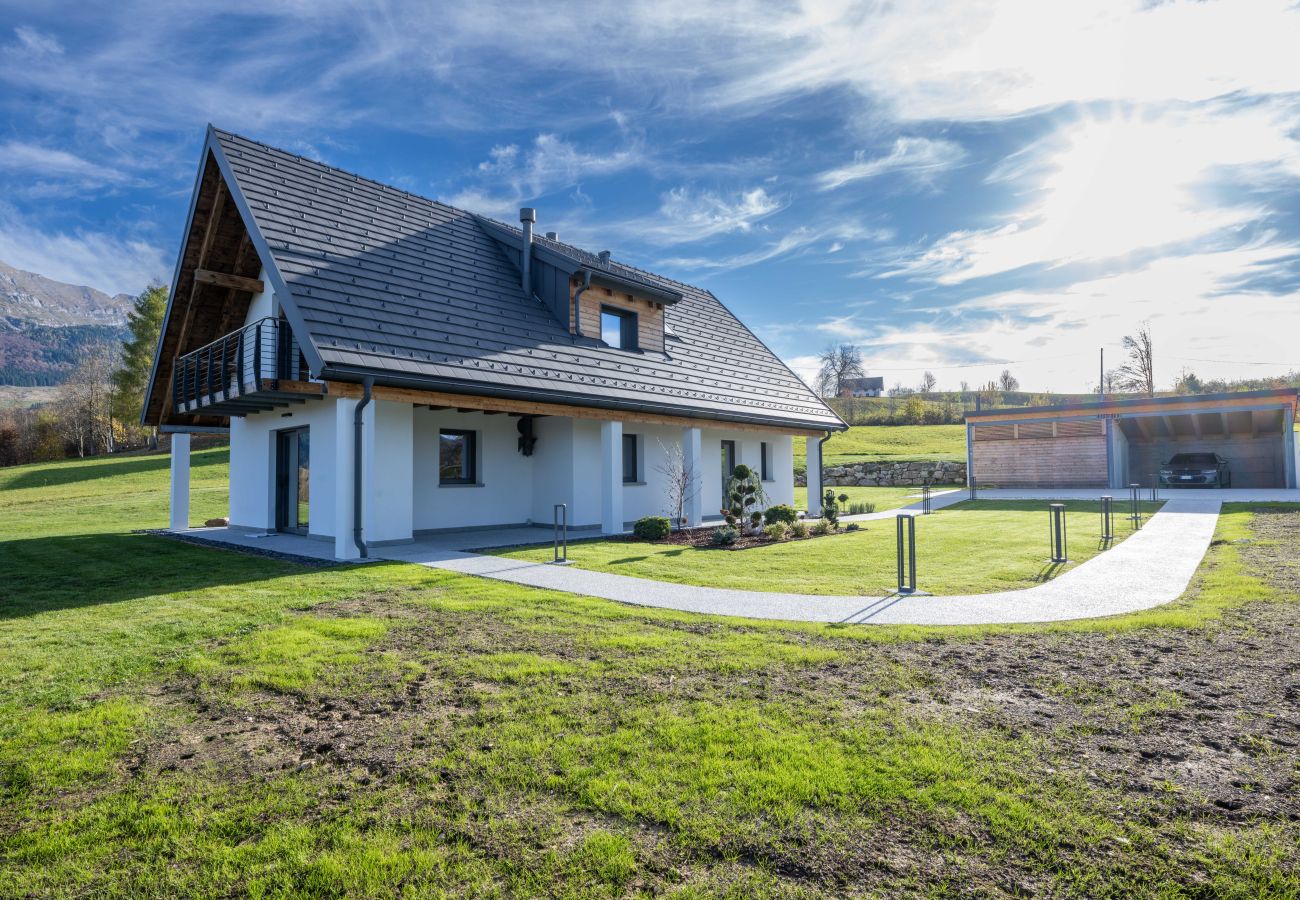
(861,508)
(821,527)
(782,513)
(775,531)
(852,526)
(652,528)
(831,509)
(725,536)
(742,500)
(799,529)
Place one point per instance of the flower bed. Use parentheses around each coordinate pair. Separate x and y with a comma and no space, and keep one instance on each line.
(702,539)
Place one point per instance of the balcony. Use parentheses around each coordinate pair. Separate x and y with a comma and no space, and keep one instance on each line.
(258,368)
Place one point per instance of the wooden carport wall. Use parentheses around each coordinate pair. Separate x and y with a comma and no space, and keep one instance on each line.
(1269,400)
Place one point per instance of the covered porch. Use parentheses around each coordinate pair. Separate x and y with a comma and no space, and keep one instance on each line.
(427,470)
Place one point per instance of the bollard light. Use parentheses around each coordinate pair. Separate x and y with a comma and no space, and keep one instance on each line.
(906,531)
(1056,530)
(1135,504)
(560,516)
(1107,521)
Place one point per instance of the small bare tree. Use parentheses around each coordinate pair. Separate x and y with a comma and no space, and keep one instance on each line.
(839,363)
(1008,382)
(682,482)
(928,382)
(85,400)
(1139,372)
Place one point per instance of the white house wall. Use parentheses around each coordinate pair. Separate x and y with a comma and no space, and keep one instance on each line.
(252,465)
(403,496)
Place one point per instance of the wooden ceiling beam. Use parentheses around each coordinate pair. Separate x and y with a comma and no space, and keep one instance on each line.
(234,282)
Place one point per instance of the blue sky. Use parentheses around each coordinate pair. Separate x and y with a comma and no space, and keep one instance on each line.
(960,187)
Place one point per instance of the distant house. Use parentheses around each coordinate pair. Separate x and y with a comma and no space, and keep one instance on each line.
(387,365)
(872,386)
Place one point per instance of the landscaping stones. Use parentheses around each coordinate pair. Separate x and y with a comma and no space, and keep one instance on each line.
(890,474)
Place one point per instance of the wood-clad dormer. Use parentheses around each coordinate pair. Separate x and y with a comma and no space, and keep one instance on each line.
(648,313)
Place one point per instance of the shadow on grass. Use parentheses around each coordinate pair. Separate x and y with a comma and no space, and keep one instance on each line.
(73,472)
(40,575)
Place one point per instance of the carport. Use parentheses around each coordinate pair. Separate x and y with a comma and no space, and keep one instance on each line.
(1113,443)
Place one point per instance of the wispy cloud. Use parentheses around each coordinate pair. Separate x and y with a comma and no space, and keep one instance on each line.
(687,216)
(918,158)
(110,262)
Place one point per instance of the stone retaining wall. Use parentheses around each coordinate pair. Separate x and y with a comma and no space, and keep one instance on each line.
(890,474)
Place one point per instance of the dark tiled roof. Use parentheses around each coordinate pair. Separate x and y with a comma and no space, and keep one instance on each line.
(414,289)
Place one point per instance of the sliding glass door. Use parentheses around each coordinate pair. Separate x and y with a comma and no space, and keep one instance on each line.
(293,481)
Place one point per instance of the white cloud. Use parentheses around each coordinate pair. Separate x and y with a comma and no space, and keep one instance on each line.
(688,216)
(918,158)
(109,262)
(1200,306)
(38,43)
(48,162)
(1106,187)
(510,176)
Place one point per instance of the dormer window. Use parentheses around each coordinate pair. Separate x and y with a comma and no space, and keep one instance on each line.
(618,328)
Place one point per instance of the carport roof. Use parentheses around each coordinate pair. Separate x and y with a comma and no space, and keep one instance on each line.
(1275,398)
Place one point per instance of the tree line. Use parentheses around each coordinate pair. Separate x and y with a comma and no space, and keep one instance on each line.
(97,407)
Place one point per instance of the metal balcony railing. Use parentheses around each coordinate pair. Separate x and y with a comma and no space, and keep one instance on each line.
(250,361)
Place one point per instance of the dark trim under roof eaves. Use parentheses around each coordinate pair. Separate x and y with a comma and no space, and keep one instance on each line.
(383,377)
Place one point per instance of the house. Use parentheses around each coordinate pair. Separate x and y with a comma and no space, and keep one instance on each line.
(387,366)
(871,386)
(1115,443)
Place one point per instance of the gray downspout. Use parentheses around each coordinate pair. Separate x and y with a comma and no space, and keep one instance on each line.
(577,297)
(821,465)
(357,536)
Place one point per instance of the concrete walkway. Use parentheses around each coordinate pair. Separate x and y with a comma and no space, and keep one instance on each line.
(1148,569)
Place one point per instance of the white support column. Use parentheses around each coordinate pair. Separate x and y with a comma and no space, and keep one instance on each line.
(611,477)
(180,488)
(388,467)
(692,452)
(344,548)
(814,456)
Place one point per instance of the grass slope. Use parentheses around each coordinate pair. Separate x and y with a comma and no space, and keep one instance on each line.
(179,721)
(974,547)
(889,443)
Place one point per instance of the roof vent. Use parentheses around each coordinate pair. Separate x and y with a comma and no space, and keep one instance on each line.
(604,257)
(552,235)
(527,216)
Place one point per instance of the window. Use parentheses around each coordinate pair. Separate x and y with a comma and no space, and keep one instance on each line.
(618,328)
(457,452)
(728,465)
(631,470)
(765,461)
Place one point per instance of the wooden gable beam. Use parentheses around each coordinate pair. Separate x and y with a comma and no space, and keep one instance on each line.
(209,235)
(234,282)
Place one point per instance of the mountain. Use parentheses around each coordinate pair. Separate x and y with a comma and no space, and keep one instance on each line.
(46,325)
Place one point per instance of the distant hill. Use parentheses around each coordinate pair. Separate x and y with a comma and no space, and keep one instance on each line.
(45,325)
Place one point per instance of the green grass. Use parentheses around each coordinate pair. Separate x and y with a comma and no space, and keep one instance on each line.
(889,443)
(973,547)
(486,739)
(885,498)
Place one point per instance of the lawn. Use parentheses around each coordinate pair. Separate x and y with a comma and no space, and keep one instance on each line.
(182,721)
(888,443)
(973,547)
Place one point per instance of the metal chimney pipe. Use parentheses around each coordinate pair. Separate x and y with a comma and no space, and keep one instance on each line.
(552,235)
(527,216)
(604,257)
